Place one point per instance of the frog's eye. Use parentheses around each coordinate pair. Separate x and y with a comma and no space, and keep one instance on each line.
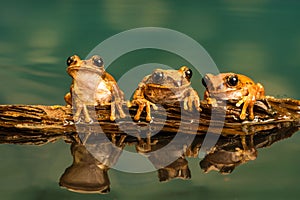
(232,80)
(98,61)
(157,77)
(188,74)
(70,60)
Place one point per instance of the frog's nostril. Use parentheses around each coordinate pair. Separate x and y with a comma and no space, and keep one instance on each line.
(205,81)
(157,77)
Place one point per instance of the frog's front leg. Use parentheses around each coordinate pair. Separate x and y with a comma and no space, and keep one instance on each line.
(139,99)
(86,114)
(77,114)
(255,92)
(118,97)
(248,104)
(142,103)
(191,100)
(81,107)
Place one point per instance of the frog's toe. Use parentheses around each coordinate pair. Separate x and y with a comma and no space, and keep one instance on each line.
(238,104)
(77,121)
(137,117)
(185,104)
(243,116)
(148,118)
(87,119)
(112,118)
(191,102)
(251,116)
(197,106)
(129,104)
(122,115)
(154,106)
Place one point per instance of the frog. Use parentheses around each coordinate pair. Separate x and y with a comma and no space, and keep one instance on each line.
(232,86)
(165,86)
(92,86)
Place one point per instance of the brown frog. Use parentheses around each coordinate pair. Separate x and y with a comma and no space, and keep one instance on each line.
(165,87)
(231,86)
(92,86)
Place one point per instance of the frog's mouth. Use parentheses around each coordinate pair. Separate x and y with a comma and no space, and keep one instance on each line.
(86,69)
(174,84)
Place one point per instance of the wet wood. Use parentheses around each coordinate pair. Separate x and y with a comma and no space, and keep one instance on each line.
(40,124)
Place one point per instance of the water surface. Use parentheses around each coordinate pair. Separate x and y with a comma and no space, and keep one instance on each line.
(257,38)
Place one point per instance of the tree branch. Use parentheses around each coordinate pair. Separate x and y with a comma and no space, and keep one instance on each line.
(40,124)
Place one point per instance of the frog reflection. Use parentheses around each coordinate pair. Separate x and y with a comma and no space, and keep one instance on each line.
(89,170)
(167,158)
(226,155)
(226,161)
(86,174)
(177,169)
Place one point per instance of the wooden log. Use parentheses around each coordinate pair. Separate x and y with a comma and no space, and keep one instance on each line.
(40,124)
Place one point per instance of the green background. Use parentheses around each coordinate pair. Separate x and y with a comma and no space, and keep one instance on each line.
(259,38)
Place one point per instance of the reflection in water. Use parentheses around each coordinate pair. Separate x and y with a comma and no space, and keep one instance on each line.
(90,175)
(178,169)
(225,161)
(86,174)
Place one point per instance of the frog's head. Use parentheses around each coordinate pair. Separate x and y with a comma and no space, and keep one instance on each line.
(93,65)
(226,85)
(170,78)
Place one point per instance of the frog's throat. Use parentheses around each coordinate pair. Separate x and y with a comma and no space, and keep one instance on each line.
(157,86)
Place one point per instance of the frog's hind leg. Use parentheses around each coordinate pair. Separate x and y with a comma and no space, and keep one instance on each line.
(68,98)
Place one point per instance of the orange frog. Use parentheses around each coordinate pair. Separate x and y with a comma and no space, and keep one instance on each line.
(231,86)
(92,86)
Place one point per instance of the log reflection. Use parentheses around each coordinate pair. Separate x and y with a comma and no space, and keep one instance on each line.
(93,159)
